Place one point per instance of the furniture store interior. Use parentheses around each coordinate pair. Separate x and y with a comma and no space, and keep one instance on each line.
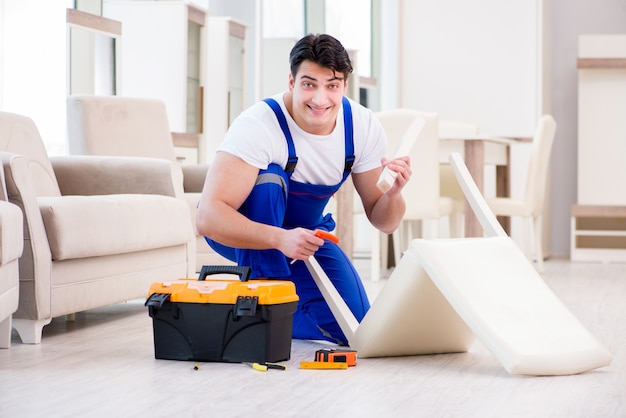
(402,208)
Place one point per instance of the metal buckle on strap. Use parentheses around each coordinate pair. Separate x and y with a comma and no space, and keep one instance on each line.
(349,162)
(291,164)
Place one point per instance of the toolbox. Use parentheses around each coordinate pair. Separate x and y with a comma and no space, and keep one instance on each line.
(222,320)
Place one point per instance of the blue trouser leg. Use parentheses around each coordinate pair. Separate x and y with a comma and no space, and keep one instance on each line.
(313,319)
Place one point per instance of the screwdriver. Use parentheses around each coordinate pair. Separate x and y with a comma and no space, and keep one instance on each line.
(324,235)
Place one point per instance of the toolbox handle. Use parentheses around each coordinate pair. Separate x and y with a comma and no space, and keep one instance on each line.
(242,271)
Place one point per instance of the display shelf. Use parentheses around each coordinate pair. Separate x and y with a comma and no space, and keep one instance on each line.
(598,233)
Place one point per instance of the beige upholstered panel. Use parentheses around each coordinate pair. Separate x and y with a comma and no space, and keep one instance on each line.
(125,223)
(11,232)
(19,135)
(11,245)
(504,301)
(96,175)
(102,125)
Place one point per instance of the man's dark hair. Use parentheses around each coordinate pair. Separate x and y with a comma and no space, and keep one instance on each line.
(323,50)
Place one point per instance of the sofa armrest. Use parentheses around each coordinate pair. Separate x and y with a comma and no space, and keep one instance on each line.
(194,176)
(99,175)
(35,265)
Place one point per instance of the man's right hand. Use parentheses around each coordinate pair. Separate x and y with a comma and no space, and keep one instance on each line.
(299,243)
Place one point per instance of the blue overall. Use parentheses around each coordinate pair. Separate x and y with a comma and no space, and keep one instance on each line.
(277,200)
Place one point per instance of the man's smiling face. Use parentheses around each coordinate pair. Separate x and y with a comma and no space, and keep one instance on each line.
(316,94)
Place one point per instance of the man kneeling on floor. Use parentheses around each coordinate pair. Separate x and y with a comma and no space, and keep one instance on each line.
(279,164)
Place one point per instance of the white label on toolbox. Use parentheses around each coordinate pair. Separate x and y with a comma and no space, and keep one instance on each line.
(256,285)
(207,287)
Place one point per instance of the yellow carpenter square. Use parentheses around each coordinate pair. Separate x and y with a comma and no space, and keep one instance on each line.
(320,365)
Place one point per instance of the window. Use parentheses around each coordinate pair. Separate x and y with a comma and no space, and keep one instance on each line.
(92,57)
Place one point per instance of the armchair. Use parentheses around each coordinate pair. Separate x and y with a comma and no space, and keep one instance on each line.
(11,246)
(530,207)
(97,230)
(424,203)
(136,127)
(425,207)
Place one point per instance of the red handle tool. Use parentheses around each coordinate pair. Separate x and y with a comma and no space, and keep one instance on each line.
(326,235)
(323,235)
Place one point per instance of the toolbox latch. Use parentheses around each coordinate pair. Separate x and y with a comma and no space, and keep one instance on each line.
(246,306)
(157,300)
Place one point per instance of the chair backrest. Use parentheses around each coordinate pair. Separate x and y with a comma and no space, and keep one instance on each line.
(119,126)
(539,163)
(19,135)
(422,191)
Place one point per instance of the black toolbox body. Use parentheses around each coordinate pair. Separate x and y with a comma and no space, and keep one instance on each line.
(222,320)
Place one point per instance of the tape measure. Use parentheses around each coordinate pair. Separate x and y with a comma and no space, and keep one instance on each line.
(336,356)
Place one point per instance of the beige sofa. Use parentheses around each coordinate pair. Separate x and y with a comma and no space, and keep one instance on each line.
(134,127)
(11,246)
(97,230)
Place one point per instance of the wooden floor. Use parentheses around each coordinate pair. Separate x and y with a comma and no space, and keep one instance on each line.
(102,365)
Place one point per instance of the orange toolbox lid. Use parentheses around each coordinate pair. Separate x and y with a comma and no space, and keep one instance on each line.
(268,292)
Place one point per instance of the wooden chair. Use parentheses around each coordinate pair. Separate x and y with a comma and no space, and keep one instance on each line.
(425,207)
(530,207)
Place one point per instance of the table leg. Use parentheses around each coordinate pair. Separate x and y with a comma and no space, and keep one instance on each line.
(503,188)
(475,161)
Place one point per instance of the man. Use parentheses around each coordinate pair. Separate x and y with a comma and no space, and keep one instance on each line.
(280,162)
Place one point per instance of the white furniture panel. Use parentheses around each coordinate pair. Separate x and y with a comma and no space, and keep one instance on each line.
(598,231)
(601,117)
(154,53)
(154,63)
(226,79)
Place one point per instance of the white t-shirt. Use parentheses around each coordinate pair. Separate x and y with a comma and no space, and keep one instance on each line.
(255,137)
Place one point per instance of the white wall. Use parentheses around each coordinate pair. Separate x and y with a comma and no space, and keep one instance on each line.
(33,65)
(472,61)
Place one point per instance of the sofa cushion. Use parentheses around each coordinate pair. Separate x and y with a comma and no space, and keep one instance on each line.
(91,226)
(11,233)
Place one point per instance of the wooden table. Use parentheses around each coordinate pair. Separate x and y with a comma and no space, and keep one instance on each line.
(478,151)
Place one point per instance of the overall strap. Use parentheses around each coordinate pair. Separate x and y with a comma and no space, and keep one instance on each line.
(282,121)
(349,136)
